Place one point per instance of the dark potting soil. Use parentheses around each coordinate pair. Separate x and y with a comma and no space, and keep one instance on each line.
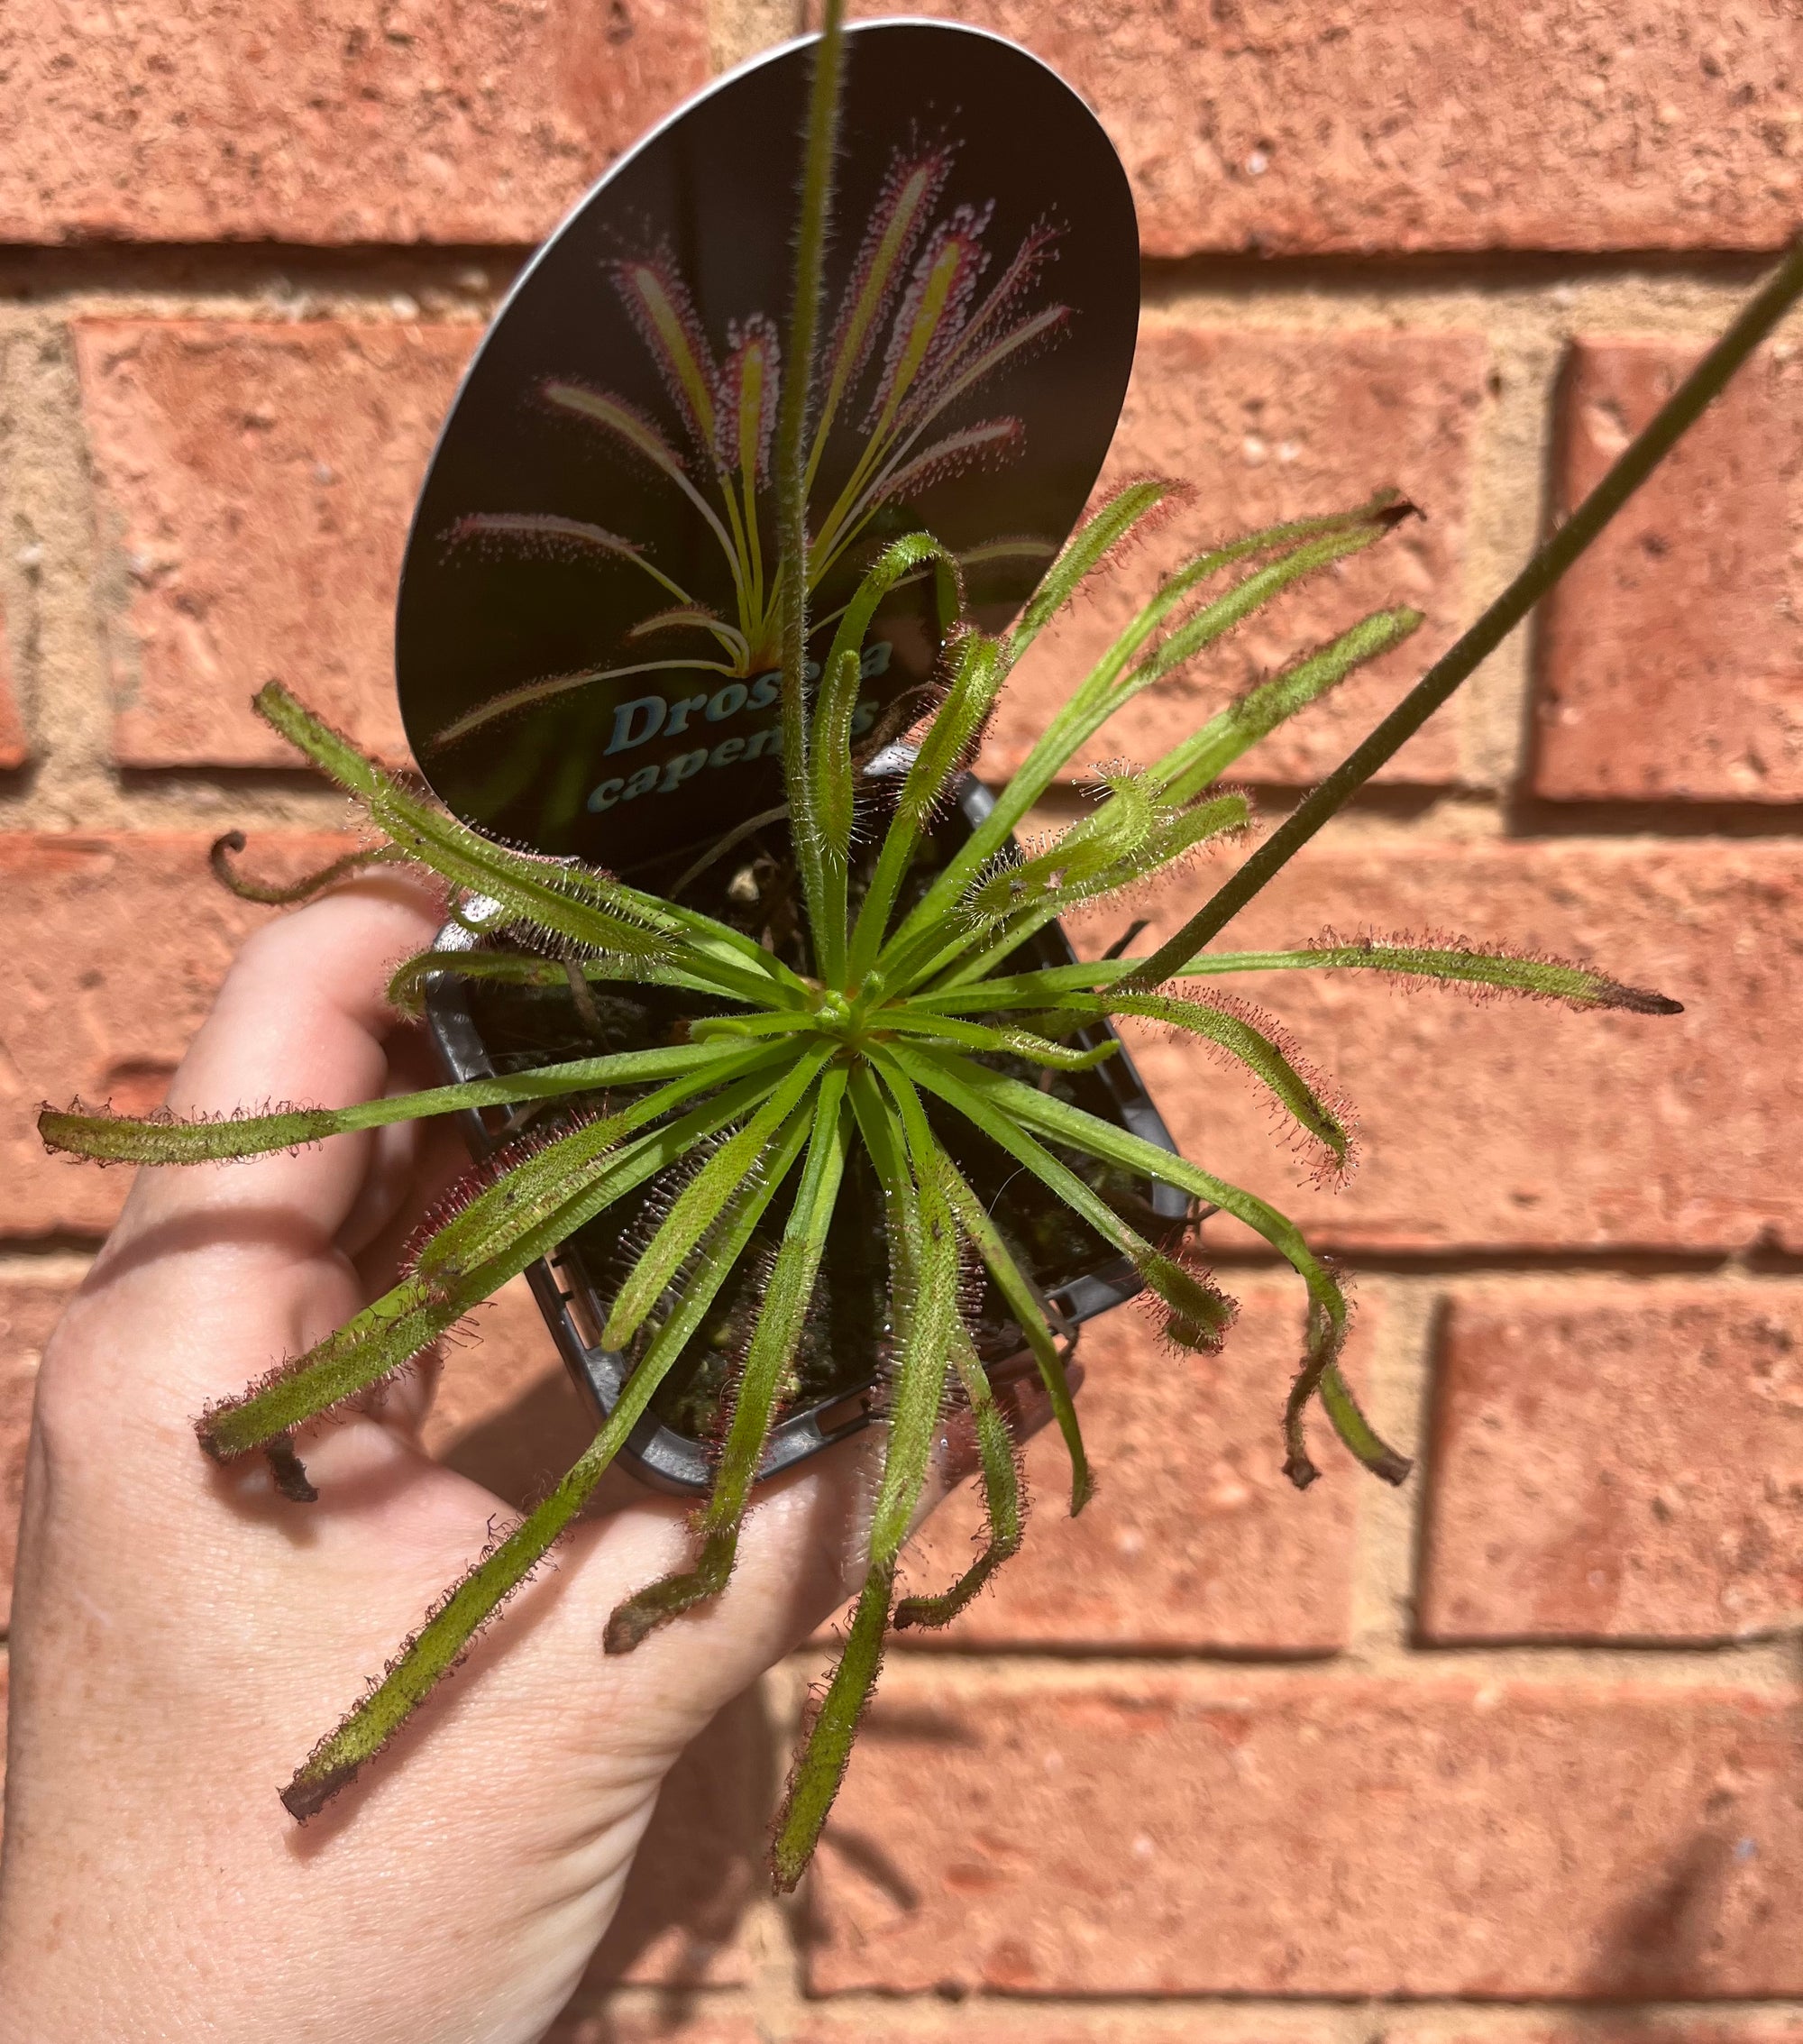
(847,1338)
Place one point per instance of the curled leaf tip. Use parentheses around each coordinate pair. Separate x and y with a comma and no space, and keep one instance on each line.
(308,1793)
(1642,1000)
(1300,1471)
(288,1474)
(278,894)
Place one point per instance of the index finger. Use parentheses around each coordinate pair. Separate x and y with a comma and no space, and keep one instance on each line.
(302,1018)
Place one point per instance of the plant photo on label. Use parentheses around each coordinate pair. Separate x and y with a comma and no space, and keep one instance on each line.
(835,1015)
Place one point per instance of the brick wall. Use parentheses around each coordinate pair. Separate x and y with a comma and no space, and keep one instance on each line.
(1510,1757)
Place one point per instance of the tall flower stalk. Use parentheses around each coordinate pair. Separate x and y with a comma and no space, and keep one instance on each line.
(896,1029)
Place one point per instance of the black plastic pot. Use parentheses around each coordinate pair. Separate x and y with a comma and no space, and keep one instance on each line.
(570,1292)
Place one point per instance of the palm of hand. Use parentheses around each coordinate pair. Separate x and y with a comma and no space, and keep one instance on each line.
(181,1633)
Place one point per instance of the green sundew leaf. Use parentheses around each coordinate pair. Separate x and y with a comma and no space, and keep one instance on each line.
(1201,760)
(434,1650)
(567,901)
(981,668)
(1089,850)
(1357,1431)
(1025,1304)
(1172,838)
(1320,1348)
(1046,988)
(571,901)
(830,764)
(537,1185)
(829,768)
(1450,962)
(1013,1042)
(901,560)
(1088,547)
(1104,690)
(931,1325)
(125,1140)
(820,1768)
(396,1327)
(950,1075)
(774,1343)
(1199,1313)
(221,851)
(699,1205)
(932,1161)
(406,988)
(381,1339)
(881,1128)
(707,1029)
(1257,1048)
(1010,1109)
(1003,1501)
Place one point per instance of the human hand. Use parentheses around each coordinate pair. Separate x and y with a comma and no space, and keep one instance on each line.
(181,1634)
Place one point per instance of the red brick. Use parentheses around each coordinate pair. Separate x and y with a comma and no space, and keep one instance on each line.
(1269,426)
(114,947)
(1565,124)
(15,748)
(1517,1124)
(682,2023)
(1194,1539)
(1317,1837)
(1621,1465)
(1664,2026)
(1671,659)
(29,1309)
(991,2020)
(255,483)
(340,121)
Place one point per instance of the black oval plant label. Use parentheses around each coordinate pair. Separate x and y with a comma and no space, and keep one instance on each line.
(587,641)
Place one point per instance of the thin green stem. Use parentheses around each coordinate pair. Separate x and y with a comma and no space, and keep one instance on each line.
(1631,468)
(792,439)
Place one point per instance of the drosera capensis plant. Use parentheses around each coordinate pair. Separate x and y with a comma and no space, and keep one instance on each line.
(897,1013)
